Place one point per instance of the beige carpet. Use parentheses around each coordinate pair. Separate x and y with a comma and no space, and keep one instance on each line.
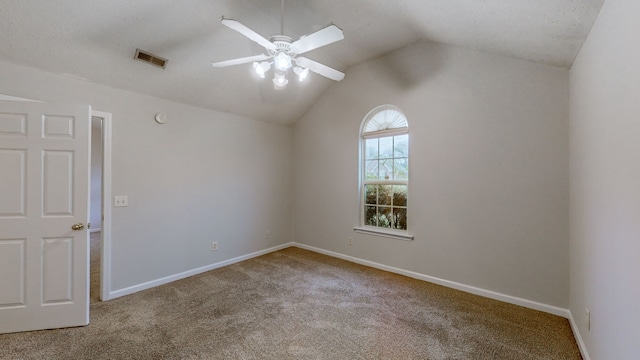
(295,304)
(94,267)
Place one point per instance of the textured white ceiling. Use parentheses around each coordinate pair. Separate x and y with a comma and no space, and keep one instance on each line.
(96,40)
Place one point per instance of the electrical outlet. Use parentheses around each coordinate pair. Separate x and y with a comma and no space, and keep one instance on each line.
(214,246)
(267,235)
(587,319)
(350,240)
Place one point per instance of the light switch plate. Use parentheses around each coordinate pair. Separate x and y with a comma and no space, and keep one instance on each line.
(120,201)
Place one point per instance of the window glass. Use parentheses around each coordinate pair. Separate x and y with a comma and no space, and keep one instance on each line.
(371,149)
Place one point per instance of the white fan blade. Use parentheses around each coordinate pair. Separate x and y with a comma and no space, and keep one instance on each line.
(322,37)
(320,69)
(252,35)
(239,61)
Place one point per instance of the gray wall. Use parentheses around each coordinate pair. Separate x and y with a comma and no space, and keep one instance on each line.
(489,186)
(204,176)
(605,184)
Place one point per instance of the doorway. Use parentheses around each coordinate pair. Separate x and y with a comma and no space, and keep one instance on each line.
(95,209)
(100,208)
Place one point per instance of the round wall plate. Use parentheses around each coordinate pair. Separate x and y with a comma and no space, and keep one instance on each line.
(160,118)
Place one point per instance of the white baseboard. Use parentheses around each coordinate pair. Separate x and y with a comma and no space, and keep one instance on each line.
(450,284)
(579,340)
(182,275)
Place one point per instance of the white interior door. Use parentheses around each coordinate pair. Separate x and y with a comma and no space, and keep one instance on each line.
(44,201)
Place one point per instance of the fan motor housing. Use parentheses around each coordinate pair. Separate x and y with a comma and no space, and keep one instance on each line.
(282,44)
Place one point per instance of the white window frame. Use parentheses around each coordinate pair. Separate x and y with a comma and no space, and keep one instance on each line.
(363,136)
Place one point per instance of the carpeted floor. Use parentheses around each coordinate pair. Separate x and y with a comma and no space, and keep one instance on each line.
(296,304)
(94,267)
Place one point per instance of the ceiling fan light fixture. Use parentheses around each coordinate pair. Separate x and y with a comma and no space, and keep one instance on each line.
(261,68)
(279,80)
(282,61)
(258,69)
(302,73)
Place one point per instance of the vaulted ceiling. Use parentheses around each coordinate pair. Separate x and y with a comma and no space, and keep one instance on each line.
(96,41)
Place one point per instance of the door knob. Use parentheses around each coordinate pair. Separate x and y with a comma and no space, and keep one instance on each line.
(77,227)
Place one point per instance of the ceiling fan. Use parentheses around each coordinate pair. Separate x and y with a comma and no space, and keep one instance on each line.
(283,53)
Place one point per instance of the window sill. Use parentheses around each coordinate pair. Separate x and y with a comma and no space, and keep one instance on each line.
(368,230)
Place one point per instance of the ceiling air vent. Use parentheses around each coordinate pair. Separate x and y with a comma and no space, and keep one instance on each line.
(150,58)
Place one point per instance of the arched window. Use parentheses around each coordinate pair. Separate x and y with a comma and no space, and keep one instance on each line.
(384,159)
